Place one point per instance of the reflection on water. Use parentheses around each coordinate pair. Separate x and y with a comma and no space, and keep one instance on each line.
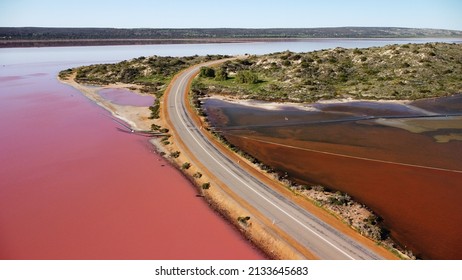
(412,180)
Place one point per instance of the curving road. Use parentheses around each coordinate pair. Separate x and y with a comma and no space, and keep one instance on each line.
(318,237)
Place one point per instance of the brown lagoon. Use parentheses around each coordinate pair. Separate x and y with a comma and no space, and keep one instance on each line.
(403,160)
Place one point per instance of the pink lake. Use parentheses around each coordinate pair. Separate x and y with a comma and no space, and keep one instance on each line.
(73,186)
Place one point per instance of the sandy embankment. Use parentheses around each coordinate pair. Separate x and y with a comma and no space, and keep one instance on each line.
(136,117)
(275,106)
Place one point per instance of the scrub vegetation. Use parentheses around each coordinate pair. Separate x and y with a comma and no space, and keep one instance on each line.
(394,72)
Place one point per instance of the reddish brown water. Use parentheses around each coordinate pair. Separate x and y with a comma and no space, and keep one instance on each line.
(410,180)
(126,97)
(73,186)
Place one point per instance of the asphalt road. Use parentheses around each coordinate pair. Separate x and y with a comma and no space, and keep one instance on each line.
(318,237)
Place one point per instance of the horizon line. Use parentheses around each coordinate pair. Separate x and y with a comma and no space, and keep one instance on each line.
(249,28)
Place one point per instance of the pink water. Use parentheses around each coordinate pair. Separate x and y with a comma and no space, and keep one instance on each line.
(73,186)
(125,97)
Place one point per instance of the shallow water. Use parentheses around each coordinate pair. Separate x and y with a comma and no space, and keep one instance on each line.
(126,97)
(409,179)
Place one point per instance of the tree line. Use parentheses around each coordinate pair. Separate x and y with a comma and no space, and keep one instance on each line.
(46,33)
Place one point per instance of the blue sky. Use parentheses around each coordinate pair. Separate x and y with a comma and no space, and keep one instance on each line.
(445,14)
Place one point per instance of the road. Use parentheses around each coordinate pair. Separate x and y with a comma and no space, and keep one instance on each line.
(318,237)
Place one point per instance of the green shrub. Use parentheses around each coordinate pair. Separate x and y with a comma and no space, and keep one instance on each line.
(207,72)
(206,186)
(155,110)
(155,127)
(175,154)
(243,220)
(221,75)
(185,165)
(247,77)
